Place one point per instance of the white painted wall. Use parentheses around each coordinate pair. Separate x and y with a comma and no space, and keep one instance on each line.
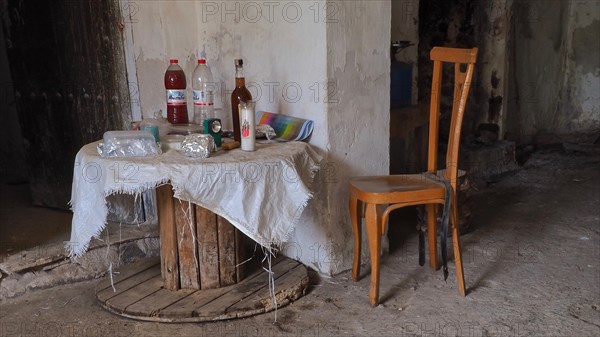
(358,60)
(282,44)
(299,56)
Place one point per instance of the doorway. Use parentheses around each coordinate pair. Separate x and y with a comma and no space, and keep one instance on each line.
(64,85)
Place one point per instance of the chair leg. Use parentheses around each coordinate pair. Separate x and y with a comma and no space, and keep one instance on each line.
(432,234)
(457,253)
(374,234)
(356,215)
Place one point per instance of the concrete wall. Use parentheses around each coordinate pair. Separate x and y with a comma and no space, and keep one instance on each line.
(323,60)
(555,83)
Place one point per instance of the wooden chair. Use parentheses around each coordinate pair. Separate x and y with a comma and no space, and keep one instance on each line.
(375,197)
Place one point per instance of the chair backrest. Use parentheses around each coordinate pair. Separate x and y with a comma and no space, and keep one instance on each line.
(462,84)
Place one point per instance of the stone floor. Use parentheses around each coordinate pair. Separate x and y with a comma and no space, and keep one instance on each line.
(531,264)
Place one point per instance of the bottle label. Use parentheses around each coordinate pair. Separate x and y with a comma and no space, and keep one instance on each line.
(247,129)
(247,121)
(203,97)
(176,97)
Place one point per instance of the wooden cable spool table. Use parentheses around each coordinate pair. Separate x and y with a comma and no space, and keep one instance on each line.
(203,273)
(199,249)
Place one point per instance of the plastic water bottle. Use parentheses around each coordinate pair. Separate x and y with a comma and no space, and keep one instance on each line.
(203,92)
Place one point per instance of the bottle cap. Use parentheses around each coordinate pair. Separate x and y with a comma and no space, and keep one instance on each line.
(173,61)
(239,62)
(201,61)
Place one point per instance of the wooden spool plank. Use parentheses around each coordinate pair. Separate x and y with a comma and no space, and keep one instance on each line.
(124,273)
(243,289)
(185,308)
(240,255)
(217,309)
(279,275)
(227,263)
(168,235)
(187,248)
(286,286)
(135,293)
(128,283)
(291,286)
(208,248)
(152,305)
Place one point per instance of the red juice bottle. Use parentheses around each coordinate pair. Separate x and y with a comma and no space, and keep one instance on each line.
(175,85)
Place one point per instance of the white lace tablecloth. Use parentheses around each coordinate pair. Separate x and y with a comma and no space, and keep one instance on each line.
(262,193)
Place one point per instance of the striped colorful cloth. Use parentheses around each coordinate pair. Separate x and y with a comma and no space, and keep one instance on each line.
(287,128)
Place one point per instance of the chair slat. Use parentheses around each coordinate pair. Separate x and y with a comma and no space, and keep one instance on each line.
(454,55)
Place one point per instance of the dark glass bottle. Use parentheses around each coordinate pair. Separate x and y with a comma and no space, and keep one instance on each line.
(239,94)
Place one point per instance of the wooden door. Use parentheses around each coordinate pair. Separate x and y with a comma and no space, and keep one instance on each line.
(68,69)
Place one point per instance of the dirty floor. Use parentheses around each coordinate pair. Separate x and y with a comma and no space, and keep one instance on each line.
(20,227)
(531,264)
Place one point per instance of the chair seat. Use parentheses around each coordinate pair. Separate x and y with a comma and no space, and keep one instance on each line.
(395,188)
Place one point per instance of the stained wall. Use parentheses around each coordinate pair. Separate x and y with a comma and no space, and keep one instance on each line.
(323,60)
(555,79)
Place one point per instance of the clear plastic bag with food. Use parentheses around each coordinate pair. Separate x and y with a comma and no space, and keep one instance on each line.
(128,144)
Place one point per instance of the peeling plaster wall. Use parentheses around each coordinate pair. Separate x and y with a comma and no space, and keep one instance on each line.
(282,44)
(538,68)
(324,60)
(467,24)
(358,120)
(581,88)
(489,92)
(555,83)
